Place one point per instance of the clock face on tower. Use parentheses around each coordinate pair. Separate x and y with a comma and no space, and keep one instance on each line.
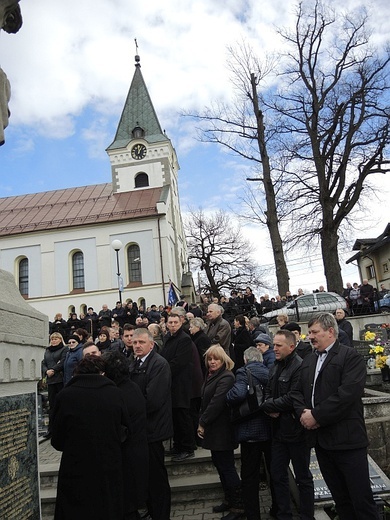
(138,151)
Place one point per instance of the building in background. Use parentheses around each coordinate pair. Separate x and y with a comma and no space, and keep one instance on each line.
(58,244)
(373,258)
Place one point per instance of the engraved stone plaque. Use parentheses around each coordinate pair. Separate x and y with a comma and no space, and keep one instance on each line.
(19,479)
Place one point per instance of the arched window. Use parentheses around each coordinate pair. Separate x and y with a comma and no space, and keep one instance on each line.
(23,276)
(141,180)
(78,270)
(134,263)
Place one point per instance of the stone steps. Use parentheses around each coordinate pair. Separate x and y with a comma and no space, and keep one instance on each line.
(191,480)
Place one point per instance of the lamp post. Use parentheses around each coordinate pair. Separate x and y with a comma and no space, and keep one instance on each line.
(117,246)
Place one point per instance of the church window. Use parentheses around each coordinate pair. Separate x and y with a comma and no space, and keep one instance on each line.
(78,270)
(134,263)
(141,180)
(138,132)
(23,276)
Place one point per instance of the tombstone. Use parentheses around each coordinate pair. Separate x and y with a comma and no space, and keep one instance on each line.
(23,338)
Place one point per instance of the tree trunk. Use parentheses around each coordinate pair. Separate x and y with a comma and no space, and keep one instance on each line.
(330,257)
(282,276)
(213,286)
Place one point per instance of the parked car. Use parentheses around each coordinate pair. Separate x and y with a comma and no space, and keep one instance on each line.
(306,306)
(383,305)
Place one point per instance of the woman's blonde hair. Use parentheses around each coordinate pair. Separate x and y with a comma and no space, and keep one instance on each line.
(282,317)
(57,335)
(217,352)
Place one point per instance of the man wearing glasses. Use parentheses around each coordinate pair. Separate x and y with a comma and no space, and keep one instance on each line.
(73,356)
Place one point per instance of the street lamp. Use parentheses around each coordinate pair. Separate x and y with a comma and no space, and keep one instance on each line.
(117,246)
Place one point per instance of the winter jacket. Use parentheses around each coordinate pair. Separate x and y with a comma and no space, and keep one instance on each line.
(283,381)
(53,359)
(259,427)
(154,379)
(215,413)
(73,356)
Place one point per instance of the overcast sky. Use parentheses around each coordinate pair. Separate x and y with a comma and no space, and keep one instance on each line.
(70,68)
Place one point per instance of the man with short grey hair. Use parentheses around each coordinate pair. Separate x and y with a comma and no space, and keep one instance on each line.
(252,354)
(344,325)
(253,434)
(328,401)
(218,330)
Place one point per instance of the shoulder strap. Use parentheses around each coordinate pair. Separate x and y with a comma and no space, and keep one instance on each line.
(250,381)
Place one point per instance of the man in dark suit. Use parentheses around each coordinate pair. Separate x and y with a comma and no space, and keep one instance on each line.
(329,404)
(152,374)
(178,351)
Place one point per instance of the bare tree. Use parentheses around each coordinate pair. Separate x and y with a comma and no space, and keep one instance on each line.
(220,250)
(336,124)
(240,127)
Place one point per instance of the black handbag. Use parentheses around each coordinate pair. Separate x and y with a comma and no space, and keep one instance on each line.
(253,400)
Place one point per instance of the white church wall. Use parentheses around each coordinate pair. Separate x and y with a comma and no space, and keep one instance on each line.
(11,251)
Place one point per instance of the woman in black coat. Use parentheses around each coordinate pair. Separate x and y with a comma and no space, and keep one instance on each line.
(53,370)
(216,430)
(90,422)
(241,341)
(135,449)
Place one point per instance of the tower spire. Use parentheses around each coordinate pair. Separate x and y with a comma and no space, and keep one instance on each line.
(137,58)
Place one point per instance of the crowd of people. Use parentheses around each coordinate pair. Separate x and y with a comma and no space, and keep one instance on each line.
(120,388)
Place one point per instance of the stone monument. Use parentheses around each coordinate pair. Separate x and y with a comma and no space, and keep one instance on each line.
(23,338)
(10,22)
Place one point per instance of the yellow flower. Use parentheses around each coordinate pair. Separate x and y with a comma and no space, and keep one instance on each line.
(369,336)
(376,350)
(380,361)
(303,337)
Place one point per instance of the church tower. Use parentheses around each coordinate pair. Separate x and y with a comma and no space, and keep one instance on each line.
(141,154)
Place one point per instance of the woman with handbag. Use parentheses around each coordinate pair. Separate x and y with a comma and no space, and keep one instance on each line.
(253,431)
(216,430)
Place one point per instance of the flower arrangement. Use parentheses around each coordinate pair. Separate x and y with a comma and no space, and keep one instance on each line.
(369,336)
(380,361)
(377,350)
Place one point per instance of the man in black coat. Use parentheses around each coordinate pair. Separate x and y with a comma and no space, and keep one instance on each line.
(178,351)
(344,325)
(288,435)
(328,401)
(219,330)
(119,313)
(303,349)
(152,374)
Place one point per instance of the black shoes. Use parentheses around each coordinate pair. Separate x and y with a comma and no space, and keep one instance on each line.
(234,516)
(172,452)
(183,456)
(221,508)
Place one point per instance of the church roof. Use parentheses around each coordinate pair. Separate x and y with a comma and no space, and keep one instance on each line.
(138,112)
(75,207)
